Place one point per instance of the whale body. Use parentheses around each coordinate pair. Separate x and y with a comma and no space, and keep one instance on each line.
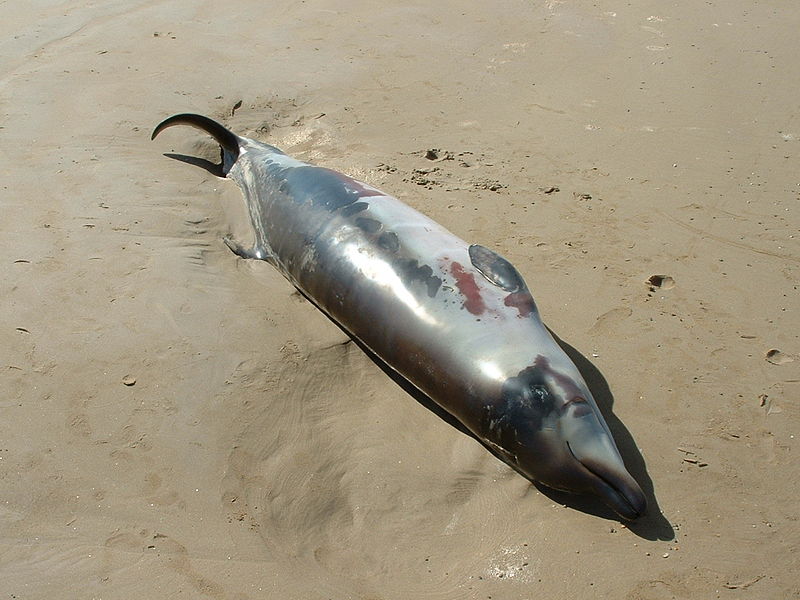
(456,320)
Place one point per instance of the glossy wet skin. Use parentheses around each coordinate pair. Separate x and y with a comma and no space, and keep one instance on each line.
(457,321)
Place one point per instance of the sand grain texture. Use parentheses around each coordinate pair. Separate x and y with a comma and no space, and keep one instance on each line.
(176,422)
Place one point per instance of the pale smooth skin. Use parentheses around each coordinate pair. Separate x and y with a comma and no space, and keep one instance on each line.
(457,321)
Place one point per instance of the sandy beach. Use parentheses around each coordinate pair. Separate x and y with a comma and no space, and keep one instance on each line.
(177,422)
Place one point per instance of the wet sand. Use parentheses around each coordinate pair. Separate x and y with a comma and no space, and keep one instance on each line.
(179,423)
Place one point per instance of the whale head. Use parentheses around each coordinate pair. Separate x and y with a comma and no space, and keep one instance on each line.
(547,426)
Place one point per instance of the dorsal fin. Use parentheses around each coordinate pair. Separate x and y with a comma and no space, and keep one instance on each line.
(496,269)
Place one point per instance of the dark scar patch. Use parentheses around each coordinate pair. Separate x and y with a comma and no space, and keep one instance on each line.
(522,301)
(465,282)
(368,225)
(410,270)
(495,268)
(354,208)
(389,241)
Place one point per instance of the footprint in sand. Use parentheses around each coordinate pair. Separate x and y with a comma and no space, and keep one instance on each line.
(608,321)
(776,357)
(662,282)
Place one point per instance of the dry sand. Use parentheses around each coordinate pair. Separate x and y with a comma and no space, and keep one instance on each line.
(259,455)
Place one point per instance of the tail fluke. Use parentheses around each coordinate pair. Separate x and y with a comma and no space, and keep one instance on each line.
(227,139)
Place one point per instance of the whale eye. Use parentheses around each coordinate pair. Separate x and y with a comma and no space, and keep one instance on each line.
(527,399)
(535,396)
(540,393)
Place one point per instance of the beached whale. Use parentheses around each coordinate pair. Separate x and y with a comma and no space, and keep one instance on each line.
(455,320)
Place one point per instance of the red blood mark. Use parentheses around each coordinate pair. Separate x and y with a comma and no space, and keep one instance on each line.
(467,286)
(522,301)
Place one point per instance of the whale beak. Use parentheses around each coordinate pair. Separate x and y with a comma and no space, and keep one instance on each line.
(598,462)
(607,475)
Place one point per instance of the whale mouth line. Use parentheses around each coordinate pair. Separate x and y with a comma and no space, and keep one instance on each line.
(619,495)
